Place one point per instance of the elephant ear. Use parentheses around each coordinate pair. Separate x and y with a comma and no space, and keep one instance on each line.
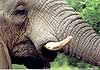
(5,61)
(55,46)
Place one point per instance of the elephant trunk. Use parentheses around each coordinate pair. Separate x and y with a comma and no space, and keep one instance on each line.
(66,22)
(85,43)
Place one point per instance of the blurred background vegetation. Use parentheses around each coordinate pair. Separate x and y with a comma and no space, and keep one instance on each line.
(89,10)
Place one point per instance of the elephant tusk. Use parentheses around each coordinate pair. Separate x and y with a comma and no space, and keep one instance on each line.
(55,46)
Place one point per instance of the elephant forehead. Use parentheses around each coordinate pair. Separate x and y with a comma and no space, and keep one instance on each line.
(7,4)
(38,4)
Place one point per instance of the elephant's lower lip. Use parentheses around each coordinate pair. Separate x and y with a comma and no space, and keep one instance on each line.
(22,42)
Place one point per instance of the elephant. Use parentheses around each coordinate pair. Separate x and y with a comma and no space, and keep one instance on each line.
(17,47)
(30,30)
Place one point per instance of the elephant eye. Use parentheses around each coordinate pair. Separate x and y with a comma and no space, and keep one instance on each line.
(21,10)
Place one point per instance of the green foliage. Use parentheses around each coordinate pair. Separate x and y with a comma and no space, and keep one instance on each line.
(69,63)
(15,66)
(89,10)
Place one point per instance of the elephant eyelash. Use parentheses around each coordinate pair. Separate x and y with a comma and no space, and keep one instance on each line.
(21,10)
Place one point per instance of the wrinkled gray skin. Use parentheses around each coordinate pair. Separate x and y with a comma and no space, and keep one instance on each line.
(27,25)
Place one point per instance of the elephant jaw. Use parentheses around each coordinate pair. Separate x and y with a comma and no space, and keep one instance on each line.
(55,46)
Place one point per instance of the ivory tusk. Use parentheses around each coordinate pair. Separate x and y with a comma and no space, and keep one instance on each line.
(55,46)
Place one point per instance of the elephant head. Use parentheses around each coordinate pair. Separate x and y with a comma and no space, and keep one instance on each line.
(28,27)
(25,33)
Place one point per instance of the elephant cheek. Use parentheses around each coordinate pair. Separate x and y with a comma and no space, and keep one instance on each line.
(40,35)
(40,41)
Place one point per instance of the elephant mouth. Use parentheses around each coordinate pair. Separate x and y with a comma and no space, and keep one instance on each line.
(26,46)
(22,41)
